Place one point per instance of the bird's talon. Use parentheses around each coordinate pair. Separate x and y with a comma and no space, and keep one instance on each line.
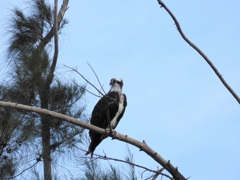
(114,132)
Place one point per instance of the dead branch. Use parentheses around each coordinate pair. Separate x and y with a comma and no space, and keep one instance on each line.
(133,164)
(199,51)
(75,70)
(157,174)
(99,82)
(141,145)
(106,158)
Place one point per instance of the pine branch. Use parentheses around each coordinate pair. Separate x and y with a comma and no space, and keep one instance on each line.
(22,171)
(199,51)
(141,145)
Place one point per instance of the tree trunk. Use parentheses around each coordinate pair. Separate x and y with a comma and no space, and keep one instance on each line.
(46,136)
(46,149)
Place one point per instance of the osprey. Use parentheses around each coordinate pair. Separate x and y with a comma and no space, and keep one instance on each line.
(107,112)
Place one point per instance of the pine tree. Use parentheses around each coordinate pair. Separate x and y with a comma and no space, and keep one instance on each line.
(30,137)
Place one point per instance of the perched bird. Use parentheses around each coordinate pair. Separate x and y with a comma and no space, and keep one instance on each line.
(107,112)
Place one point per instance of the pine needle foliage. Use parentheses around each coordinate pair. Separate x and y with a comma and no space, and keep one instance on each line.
(27,138)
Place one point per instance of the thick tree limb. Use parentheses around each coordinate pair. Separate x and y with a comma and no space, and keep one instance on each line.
(141,145)
(199,51)
(55,56)
(51,33)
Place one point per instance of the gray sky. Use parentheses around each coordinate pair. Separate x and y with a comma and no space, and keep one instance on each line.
(175,101)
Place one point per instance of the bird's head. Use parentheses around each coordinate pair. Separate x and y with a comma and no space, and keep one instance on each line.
(116,84)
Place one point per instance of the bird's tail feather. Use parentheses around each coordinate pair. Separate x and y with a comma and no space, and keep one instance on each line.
(89,151)
(94,143)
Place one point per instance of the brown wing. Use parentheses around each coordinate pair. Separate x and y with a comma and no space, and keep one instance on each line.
(103,112)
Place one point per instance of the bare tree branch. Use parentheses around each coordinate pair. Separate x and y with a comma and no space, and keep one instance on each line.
(157,174)
(141,145)
(97,78)
(55,56)
(86,80)
(106,158)
(133,164)
(199,51)
(49,35)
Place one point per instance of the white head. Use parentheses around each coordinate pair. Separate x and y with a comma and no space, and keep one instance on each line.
(116,84)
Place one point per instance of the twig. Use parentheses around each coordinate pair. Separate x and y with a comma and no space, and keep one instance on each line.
(97,78)
(123,161)
(85,79)
(22,171)
(89,91)
(157,174)
(133,164)
(199,51)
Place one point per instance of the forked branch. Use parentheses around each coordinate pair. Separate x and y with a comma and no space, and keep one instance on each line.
(75,70)
(199,51)
(56,46)
(99,82)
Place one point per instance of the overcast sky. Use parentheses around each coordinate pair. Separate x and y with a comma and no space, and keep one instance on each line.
(175,101)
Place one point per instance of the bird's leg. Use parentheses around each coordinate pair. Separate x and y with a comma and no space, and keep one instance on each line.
(112,125)
(113,122)
(109,128)
(109,122)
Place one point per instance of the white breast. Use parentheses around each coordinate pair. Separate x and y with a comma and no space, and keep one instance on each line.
(120,110)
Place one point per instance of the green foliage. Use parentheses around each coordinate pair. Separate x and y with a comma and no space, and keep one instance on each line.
(22,132)
(131,171)
(26,31)
(17,130)
(94,170)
